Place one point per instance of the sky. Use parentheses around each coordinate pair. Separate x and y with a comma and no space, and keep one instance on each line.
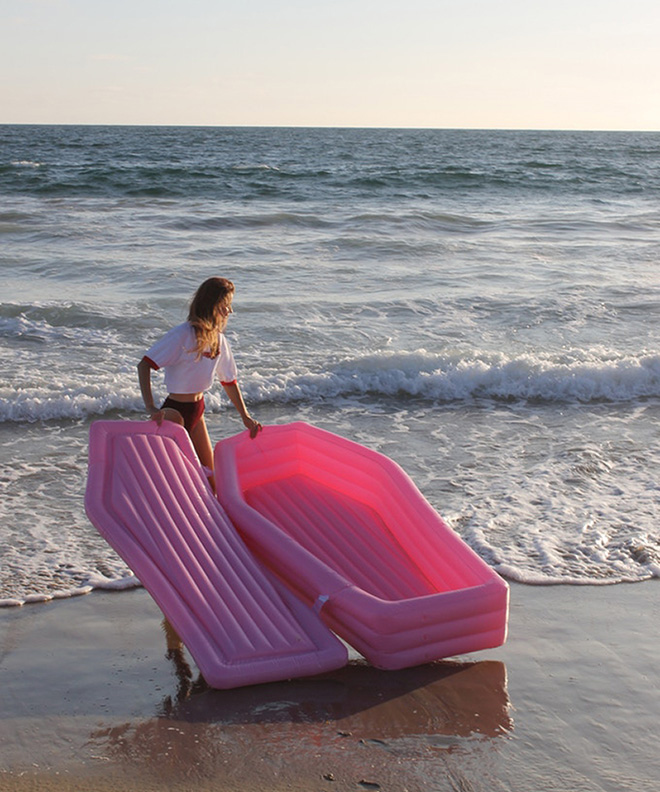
(492,64)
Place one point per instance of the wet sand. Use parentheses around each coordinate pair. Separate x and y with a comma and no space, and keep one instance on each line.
(92,700)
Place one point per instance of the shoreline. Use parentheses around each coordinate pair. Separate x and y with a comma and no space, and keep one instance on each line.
(91,701)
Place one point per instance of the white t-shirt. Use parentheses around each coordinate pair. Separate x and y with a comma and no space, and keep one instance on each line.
(175,352)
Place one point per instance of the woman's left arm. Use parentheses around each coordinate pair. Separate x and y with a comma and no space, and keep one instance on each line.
(236,398)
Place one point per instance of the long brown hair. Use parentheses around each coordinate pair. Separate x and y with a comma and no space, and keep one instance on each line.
(204,313)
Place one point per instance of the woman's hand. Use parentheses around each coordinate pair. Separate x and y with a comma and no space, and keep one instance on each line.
(253,426)
(156,415)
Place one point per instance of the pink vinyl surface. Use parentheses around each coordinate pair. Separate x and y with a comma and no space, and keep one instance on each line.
(349,531)
(147,495)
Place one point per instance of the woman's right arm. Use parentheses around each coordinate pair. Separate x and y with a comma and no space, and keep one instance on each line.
(144,378)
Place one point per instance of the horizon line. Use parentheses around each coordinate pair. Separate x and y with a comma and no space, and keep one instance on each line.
(325,126)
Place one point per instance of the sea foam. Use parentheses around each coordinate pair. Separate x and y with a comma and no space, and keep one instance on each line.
(575,377)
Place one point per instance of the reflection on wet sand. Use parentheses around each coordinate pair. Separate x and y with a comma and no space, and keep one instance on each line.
(438,706)
(440,698)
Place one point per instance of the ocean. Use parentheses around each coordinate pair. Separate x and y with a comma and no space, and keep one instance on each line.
(481,306)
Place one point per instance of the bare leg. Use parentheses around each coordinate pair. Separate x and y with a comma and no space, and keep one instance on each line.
(202,444)
(170,414)
(174,643)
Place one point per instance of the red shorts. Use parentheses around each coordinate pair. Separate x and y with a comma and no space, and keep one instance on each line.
(191,412)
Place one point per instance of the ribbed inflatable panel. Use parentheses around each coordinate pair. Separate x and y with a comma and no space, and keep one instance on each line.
(147,495)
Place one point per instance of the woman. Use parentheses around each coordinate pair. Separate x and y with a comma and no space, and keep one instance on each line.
(193,354)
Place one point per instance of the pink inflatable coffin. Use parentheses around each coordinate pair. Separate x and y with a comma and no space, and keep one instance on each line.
(351,534)
(147,495)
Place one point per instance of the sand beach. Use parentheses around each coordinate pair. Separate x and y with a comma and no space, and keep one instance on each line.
(92,700)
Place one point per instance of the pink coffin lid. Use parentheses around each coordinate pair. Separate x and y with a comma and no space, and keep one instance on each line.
(148,497)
